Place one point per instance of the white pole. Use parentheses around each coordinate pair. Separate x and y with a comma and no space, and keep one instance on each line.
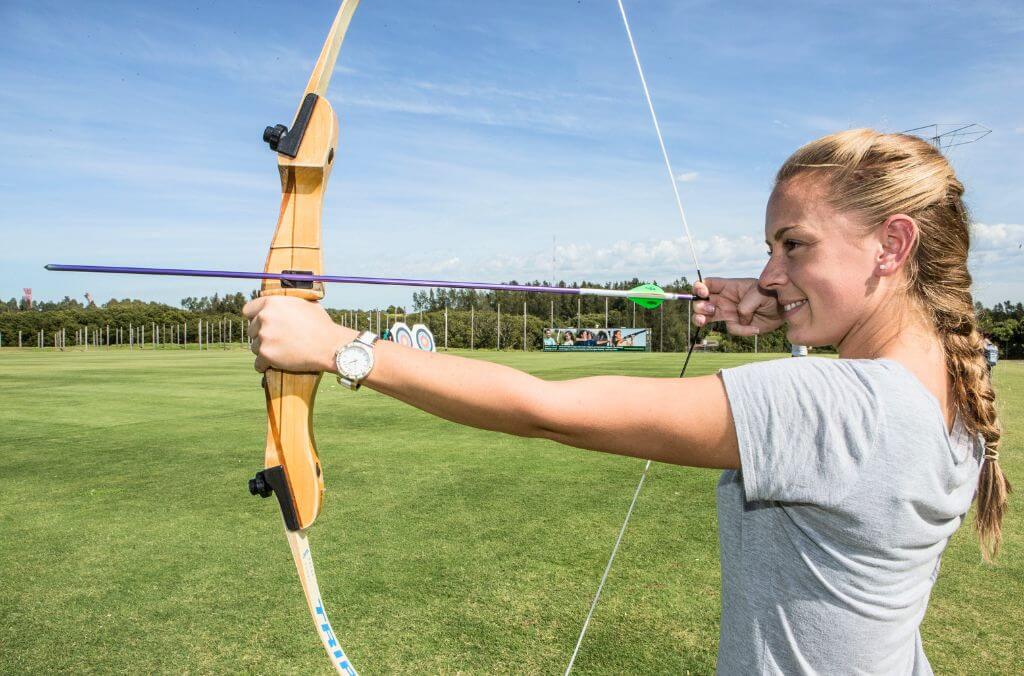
(579,322)
(446,327)
(552,314)
(472,329)
(499,326)
(661,330)
(524,326)
(606,314)
(689,319)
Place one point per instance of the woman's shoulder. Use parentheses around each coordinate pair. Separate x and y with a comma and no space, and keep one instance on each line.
(867,384)
(792,368)
(866,370)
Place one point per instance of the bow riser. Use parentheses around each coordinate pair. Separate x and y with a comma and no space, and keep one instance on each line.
(296,247)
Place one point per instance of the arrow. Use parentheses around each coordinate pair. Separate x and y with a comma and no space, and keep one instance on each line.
(648,296)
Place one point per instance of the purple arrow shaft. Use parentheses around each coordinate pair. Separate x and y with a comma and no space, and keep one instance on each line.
(385,281)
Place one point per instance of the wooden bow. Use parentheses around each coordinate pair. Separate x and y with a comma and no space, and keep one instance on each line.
(305,155)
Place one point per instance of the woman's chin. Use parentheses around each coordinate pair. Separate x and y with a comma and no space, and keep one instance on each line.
(801,335)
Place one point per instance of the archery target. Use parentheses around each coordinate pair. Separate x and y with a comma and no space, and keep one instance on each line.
(401,334)
(424,338)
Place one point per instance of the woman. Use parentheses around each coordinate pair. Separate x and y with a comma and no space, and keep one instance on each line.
(844,477)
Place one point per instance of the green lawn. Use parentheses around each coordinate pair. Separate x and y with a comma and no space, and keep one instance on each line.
(130,542)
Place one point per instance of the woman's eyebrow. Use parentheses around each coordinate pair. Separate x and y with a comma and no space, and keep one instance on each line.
(780,233)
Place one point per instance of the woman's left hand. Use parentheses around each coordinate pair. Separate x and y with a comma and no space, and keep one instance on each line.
(291,334)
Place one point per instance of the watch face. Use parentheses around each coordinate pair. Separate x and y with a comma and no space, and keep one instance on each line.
(354,362)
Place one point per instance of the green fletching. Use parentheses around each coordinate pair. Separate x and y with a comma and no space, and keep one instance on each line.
(649,303)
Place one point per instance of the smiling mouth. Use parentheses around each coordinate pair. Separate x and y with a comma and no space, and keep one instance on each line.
(789,307)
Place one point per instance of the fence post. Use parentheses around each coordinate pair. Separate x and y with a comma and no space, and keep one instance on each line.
(524,326)
(661,330)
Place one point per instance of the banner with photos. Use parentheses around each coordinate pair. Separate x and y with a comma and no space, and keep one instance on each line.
(619,339)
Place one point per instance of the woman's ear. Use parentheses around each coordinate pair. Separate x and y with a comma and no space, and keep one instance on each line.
(899,235)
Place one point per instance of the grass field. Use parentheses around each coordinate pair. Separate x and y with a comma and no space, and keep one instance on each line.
(131,545)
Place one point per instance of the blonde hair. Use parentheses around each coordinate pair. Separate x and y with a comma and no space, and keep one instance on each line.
(876,176)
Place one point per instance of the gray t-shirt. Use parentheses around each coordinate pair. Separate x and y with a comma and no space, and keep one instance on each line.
(832,530)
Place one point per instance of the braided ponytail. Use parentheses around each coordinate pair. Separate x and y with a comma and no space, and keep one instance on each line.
(878,175)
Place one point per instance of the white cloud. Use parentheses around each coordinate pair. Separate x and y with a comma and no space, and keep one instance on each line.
(687,176)
(996,236)
(998,244)
(653,259)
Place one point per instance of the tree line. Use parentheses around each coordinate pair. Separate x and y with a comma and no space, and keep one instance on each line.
(470,316)
(1003,324)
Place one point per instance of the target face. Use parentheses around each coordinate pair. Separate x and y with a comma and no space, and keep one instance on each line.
(424,338)
(401,334)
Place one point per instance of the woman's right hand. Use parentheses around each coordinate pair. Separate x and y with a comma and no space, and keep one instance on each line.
(740,303)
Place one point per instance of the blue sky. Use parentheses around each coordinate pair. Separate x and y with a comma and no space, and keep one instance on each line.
(473,133)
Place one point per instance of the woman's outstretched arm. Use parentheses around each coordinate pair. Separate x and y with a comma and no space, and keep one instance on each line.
(681,421)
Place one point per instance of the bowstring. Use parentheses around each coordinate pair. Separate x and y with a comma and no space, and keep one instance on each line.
(689,352)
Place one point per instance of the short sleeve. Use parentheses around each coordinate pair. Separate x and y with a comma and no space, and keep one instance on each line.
(806,427)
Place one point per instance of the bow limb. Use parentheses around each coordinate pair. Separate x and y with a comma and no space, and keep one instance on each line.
(291,465)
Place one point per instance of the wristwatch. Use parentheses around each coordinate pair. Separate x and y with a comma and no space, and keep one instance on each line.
(355,360)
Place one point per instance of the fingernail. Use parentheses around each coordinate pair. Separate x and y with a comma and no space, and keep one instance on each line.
(710,307)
